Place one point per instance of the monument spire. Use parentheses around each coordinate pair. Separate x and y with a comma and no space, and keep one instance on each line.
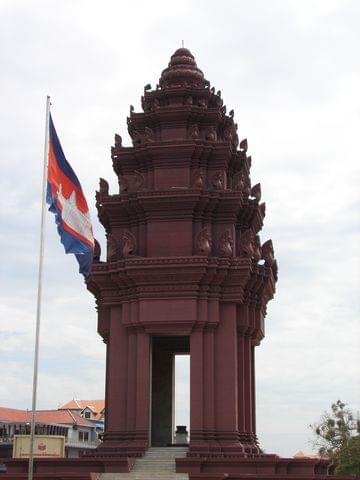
(185,272)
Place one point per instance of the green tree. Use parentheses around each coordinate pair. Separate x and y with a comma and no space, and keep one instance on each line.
(337,437)
(348,457)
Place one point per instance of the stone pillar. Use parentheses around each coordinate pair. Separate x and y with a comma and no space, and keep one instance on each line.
(142,410)
(226,374)
(116,378)
(197,440)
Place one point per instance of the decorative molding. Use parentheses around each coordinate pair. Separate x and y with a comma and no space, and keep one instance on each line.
(194,131)
(117,141)
(129,246)
(267,253)
(149,134)
(103,187)
(123,184)
(246,248)
(136,137)
(203,242)
(211,134)
(226,244)
(139,180)
(244,145)
(217,180)
(257,248)
(97,251)
(198,177)
(256,192)
(112,249)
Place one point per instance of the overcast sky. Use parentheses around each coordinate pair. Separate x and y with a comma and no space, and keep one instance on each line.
(290,70)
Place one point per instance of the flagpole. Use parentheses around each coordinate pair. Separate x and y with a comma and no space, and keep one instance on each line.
(39,292)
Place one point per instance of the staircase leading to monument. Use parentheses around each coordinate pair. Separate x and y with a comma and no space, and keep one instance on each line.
(157,463)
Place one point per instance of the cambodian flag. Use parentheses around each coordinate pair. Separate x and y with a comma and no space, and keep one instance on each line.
(67,202)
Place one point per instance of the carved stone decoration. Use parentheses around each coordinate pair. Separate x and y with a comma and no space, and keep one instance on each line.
(238,181)
(263,208)
(202,103)
(235,141)
(256,192)
(257,248)
(118,140)
(156,103)
(103,187)
(203,242)
(98,200)
(112,249)
(188,100)
(226,244)
(228,134)
(149,135)
(218,101)
(211,135)
(241,182)
(123,184)
(244,145)
(246,248)
(144,104)
(217,181)
(247,184)
(129,246)
(274,269)
(267,253)
(97,251)
(194,131)
(198,178)
(139,180)
(136,137)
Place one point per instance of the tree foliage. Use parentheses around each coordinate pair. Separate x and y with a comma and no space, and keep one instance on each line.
(348,457)
(337,437)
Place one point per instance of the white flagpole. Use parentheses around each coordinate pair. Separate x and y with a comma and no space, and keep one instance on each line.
(39,296)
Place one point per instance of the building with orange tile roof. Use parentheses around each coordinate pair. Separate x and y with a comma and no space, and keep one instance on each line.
(89,409)
(79,432)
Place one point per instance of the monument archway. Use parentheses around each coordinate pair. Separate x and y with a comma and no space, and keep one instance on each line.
(164,349)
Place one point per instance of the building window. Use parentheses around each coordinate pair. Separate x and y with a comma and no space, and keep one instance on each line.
(87,415)
(83,436)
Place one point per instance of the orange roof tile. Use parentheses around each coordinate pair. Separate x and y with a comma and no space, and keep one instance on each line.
(95,405)
(13,415)
(50,417)
(301,454)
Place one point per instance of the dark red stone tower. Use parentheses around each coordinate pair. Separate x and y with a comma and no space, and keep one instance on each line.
(185,272)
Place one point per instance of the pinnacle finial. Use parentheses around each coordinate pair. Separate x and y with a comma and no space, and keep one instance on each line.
(182,71)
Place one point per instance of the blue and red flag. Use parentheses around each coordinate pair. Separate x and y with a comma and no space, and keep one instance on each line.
(68,203)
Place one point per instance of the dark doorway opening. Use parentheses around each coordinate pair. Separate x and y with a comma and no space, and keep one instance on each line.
(164,350)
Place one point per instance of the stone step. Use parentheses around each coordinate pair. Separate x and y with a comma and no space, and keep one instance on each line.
(158,463)
(144,476)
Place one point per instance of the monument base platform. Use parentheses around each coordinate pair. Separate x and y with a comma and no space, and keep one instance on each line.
(263,467)
(208,476)
(66,468)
